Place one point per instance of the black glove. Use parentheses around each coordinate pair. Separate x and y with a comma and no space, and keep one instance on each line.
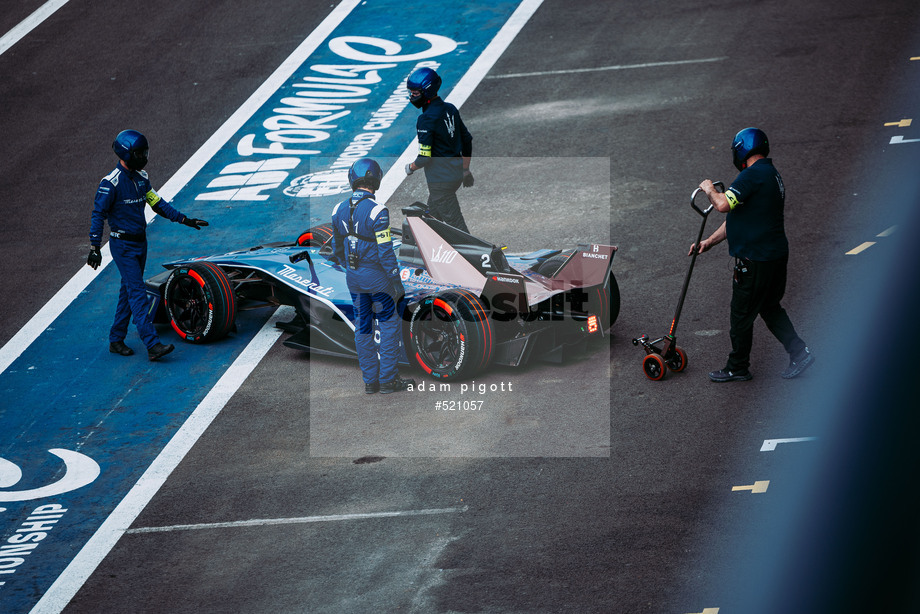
(194,223)
(467,178)
(95,258)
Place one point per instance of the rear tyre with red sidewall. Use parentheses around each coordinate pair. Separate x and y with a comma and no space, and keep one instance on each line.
(449,335)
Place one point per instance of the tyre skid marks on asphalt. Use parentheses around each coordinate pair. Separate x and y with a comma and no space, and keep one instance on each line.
(425,575)
(572,71)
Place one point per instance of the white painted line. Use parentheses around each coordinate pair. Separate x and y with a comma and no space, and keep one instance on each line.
(572,71)
(458,95)
(302,520)
(29,23)
(104,539)
(770,444)
(78,283)
(860,248)
(896,140)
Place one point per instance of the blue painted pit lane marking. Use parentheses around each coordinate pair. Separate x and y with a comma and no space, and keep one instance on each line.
(66,398)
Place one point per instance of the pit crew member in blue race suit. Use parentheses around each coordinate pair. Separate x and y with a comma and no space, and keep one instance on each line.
(121,200)
(445,147)
(362,244)
(754,228)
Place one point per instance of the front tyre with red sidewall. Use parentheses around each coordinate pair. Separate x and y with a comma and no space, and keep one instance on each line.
(316,236)
(200,302)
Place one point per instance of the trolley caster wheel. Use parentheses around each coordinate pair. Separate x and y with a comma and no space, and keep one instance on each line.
(653,366)
(678,360)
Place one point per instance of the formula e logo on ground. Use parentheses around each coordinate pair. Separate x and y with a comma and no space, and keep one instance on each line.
(323,183)
(80,470)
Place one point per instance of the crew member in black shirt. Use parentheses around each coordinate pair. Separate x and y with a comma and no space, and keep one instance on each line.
(445,147)
(757,240)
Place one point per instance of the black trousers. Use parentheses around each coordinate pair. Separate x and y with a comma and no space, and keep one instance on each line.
(443,204)
(757,289)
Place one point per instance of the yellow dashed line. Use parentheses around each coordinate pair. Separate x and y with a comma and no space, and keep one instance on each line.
(860,248)
(904,123)
(888,232)
(755,488)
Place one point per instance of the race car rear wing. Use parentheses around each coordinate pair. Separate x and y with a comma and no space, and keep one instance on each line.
(457,258)
(587,265)
(454,257)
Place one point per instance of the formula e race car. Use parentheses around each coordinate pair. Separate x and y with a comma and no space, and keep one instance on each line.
(467,303)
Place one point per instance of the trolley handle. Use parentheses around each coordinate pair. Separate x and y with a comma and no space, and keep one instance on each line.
(720,187)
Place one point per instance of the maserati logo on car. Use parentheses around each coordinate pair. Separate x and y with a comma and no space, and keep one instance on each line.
(290,273)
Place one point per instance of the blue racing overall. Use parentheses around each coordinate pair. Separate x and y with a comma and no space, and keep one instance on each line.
(121,200)
(362,244)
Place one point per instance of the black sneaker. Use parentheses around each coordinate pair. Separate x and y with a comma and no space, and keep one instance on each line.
(159,351)
(796,367)
(372,388)
(724,375)
(396,385)
(119,347)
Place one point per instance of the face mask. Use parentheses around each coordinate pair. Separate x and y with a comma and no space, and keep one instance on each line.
(137,160)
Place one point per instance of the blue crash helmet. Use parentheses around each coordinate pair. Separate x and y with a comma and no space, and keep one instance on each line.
(746,143)
(131,146)
(423,85)
(365,173)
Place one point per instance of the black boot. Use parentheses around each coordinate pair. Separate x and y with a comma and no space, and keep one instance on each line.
(396,385)
(119,347)
(159,351)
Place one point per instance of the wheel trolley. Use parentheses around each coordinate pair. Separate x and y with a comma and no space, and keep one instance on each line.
(664,353)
